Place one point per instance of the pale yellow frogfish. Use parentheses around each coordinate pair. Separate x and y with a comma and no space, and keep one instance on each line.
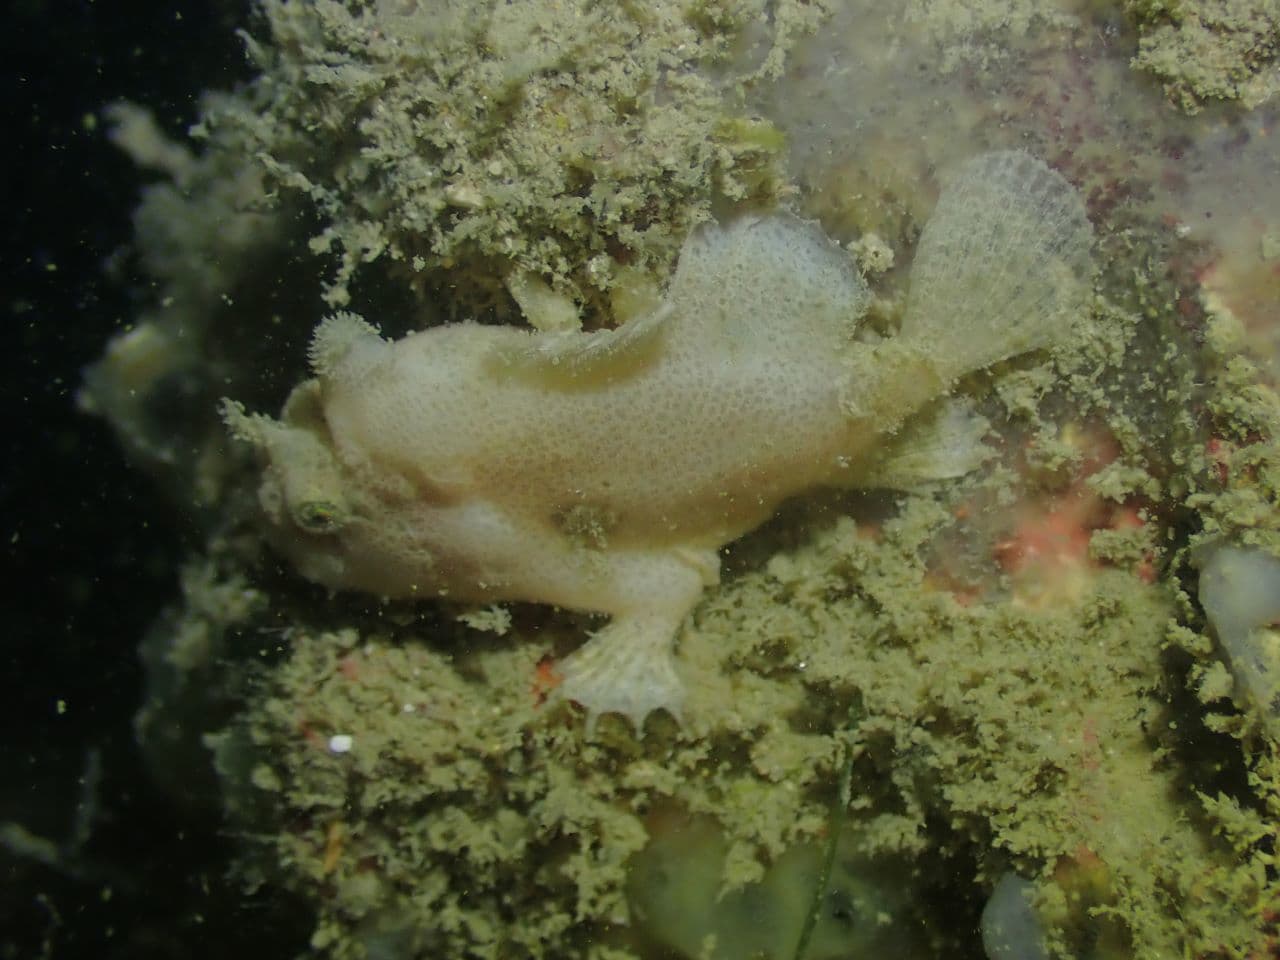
(604,471)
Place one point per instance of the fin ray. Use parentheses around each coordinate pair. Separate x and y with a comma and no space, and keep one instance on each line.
(577,359)
(774,276)
(942,444)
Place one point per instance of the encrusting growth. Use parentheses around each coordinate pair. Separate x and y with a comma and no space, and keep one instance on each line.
(603,471)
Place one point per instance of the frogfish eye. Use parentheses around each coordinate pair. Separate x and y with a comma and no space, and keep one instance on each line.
(318,516)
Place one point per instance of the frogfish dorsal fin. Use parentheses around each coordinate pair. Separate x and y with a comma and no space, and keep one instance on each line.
(767,277)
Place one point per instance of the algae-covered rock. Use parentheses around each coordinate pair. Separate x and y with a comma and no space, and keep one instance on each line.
(460,144)
(676,892)
(1206,50)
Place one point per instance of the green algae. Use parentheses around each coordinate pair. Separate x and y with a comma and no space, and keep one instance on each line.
(1206,50)
(457,144)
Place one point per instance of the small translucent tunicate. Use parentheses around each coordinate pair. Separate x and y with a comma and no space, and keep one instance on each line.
(1010,928)
(1240,591)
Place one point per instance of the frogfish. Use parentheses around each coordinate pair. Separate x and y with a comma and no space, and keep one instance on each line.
(604,471)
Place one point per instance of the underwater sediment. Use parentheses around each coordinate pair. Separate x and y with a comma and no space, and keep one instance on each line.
(1053,662)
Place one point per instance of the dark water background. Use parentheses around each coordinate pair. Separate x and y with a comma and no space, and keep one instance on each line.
(90,553)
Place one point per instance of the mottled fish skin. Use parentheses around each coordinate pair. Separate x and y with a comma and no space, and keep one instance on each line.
(603,471)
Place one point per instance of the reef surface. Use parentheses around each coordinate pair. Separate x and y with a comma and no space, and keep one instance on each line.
(894,701)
